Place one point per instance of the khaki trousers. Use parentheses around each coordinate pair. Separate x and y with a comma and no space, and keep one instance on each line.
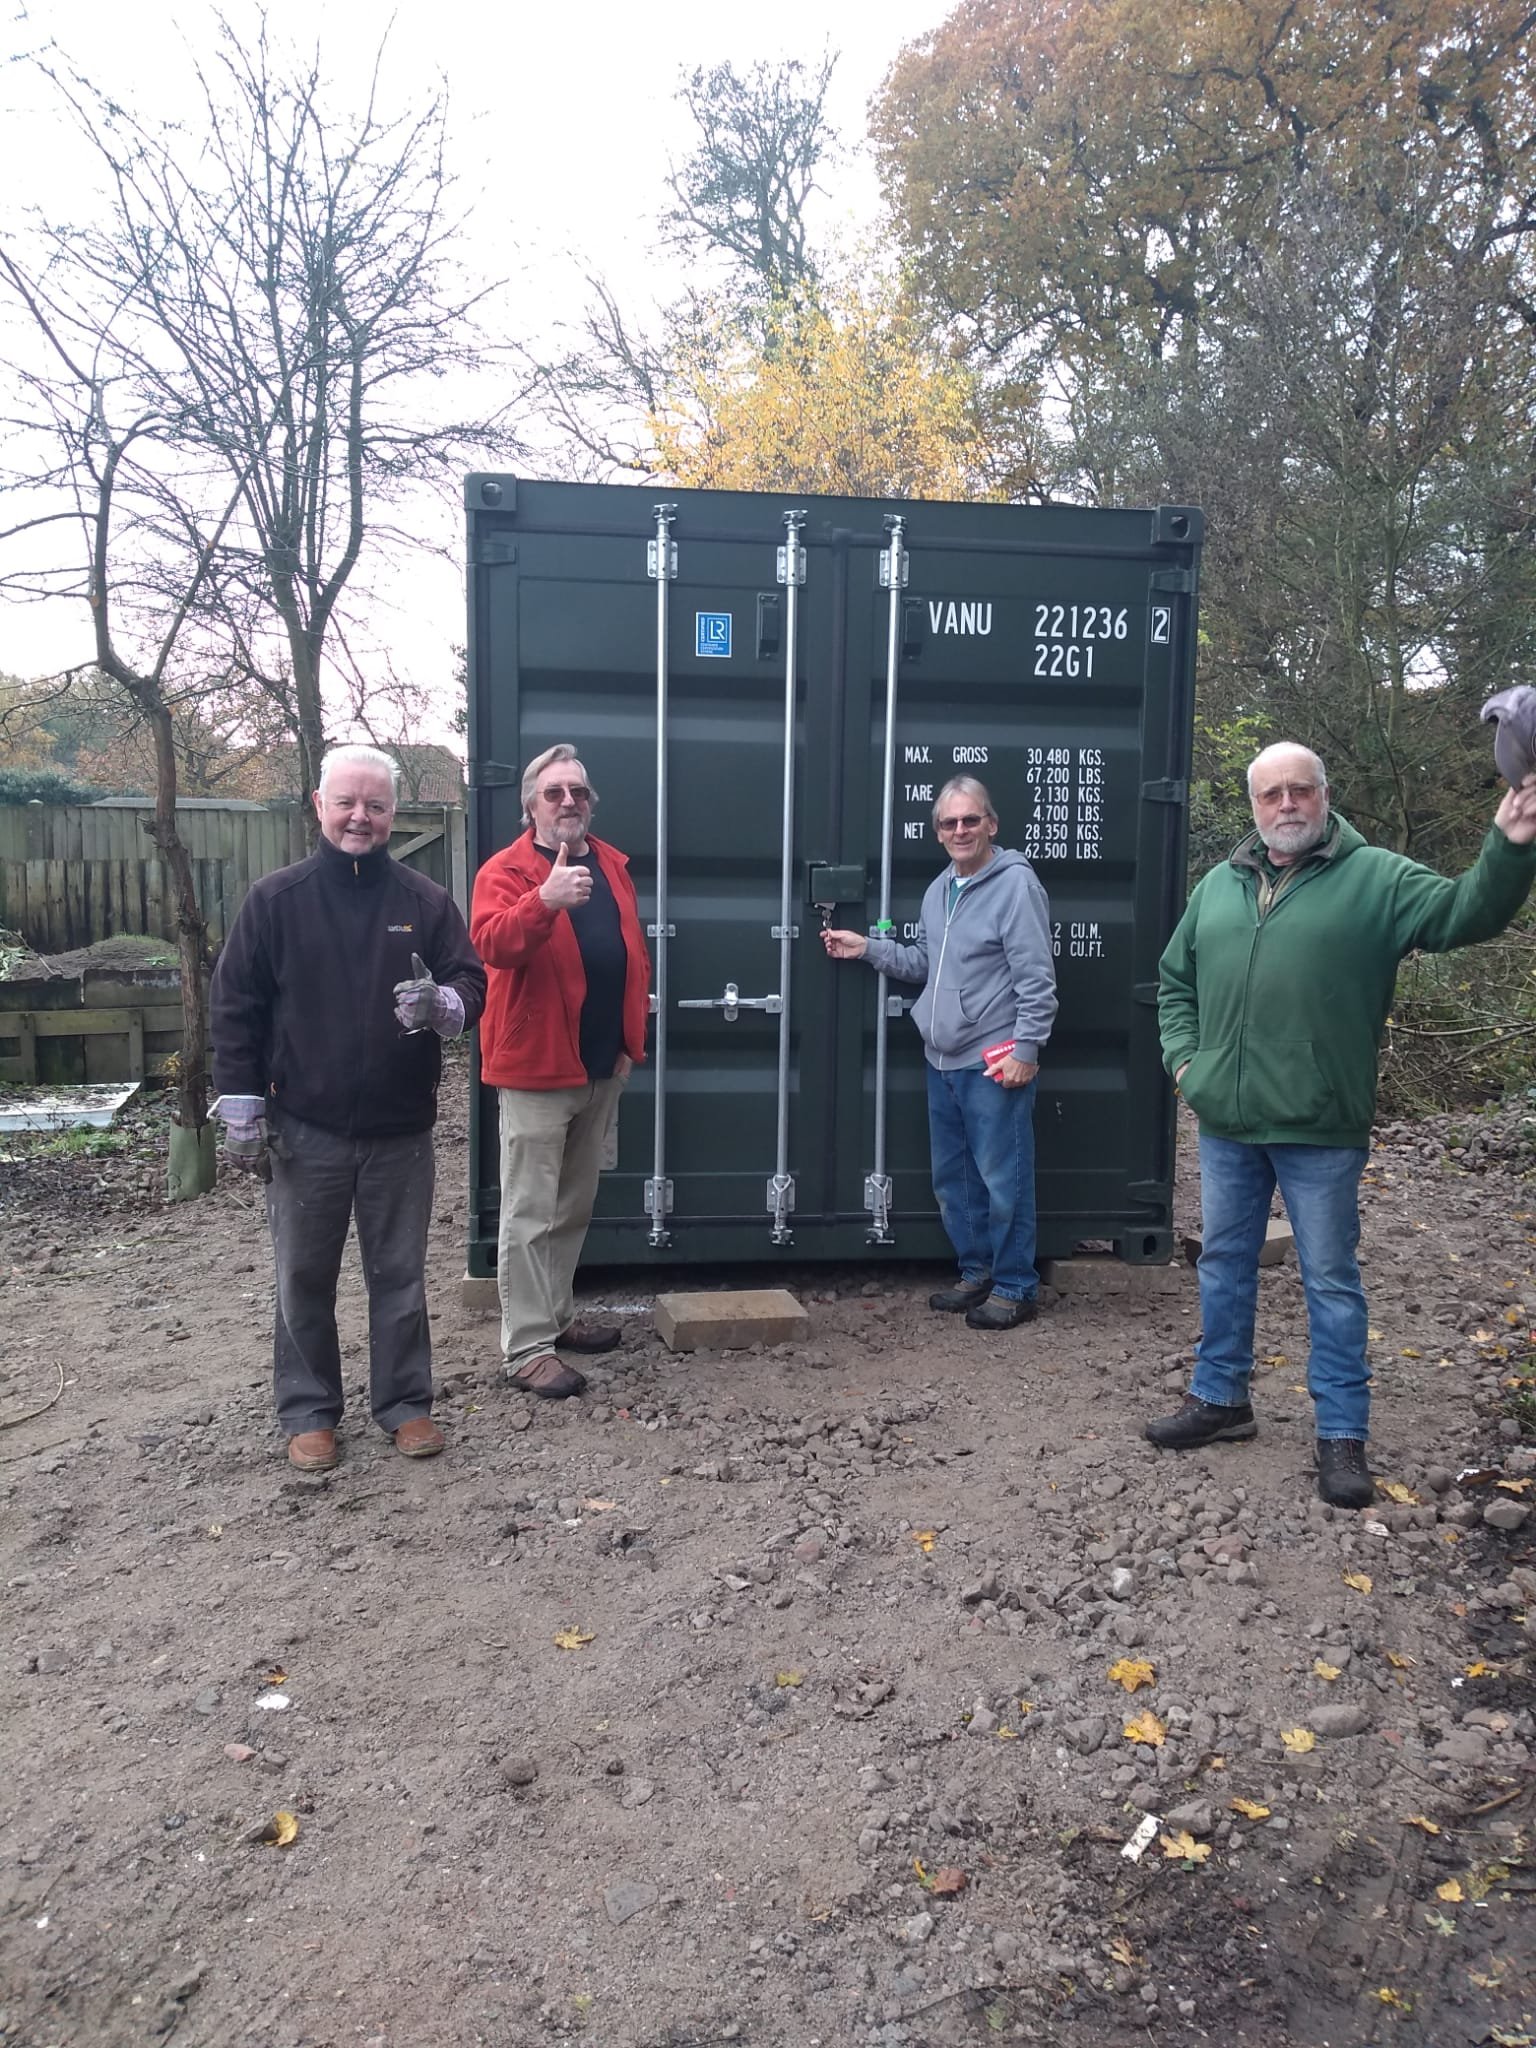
(553,1142)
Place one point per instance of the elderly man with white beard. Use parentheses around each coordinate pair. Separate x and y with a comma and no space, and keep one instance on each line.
(1274,993)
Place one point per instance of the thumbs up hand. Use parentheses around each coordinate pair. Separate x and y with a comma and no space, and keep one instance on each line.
(568,887)
(419,1001)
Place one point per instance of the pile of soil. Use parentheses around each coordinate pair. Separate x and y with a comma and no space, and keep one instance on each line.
(762,1697)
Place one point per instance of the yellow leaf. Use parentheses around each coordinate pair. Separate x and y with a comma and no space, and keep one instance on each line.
(215,1530)
(1026,1706)
(275,1678)
(1394,1489)
(1513,1317)
(1361,1581)
(1482,1670)
(280,1830)
(1120,1951)
(1389,1997)
(1373,1336)
(1145,1728)
(1322,1670)
(1183,1847)
(1298,1740)
(790,1678)
(1007,1734)
(1250,1809)
(1450,1891)
(925,1540)
(1398,1661)
(1408,1352)
(1132,1672)
(599,1507)
(574,1639)
(1450,1535)
(1421,1820)
(1513,1485)
(923,1877)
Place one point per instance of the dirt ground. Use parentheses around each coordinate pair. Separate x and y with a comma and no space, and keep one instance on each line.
(836,1757)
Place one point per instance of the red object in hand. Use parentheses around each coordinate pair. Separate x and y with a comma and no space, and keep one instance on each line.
(991,1054)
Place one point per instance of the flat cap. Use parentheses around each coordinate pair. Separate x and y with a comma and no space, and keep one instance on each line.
(1513,713)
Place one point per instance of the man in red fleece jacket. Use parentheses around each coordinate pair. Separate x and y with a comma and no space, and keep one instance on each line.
(555,920)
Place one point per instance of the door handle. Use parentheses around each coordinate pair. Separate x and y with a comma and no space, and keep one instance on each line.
(732,1003)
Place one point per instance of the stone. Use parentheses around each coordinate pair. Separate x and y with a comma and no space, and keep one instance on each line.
(1090,1276)
(1506,1514)
(480,1295)
(638,1792)
(1278,1240)
(622,1901)
(519,1770)
(918,1928)
(1195,1815)
(731,1319)
(1335,1720)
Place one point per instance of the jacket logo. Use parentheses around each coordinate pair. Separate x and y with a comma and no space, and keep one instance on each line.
(399,927)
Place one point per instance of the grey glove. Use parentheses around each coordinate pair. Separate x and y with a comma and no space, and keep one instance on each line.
(419,1004)
(245,1146)
(1513,715)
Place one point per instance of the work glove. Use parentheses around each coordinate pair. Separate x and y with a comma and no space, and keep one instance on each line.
(420,1005)
(1512,713)
(245,1135)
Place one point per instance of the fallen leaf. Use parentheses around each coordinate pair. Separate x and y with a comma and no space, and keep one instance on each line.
(1250,1809)
(1007,1734)
(574,1639)
(1298,1740)
(1120,1951)
(1360,1581)
(1513,1485)
(239,1752)
(948,1880)
(1389,1997)
(1394,1489)
(600,1507)
(1132,1672)
(1026,1706)
(925,1540)
(1420,1820)
(1398,1661)
(1450,1535)
(1450,1891)
(1183,1848)
(215,1530)
(789,1678)
(1373,1336)
(1145,1728)
(1439,1923)
(1482,1670)
(1322,1670)
(280,1830)
(1408,1352)
(275,1677)
(924,1877)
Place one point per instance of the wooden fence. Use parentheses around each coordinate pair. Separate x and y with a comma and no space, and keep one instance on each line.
(71,874)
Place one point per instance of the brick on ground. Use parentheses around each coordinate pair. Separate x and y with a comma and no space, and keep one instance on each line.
(730,1321)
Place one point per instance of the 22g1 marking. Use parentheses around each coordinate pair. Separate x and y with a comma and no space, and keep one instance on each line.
(1065,636)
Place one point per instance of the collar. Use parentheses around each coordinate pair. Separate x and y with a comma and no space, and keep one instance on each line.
(360,870)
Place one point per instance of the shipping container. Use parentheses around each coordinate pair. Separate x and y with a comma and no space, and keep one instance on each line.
(767,694)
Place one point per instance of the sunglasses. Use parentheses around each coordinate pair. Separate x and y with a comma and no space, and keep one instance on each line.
(966,824)
(1297,791)
(557,792)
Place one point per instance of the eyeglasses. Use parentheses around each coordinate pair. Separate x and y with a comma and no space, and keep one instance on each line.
(1297,791)
(966,824)
(557,792)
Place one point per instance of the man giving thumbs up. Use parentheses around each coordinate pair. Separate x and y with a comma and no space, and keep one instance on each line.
(555,920)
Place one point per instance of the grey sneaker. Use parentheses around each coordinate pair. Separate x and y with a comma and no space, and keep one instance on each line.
(1201,1422)
(995,1313)
(954,1301)
(1344,1479)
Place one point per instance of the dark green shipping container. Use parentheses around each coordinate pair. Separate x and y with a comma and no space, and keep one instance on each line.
(767,694)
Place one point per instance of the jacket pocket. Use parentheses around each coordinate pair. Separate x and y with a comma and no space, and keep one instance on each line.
(943,1017)
(1285,1087)
(1209,1085)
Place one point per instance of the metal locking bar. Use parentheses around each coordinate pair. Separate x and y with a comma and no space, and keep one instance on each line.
(877,1183)
(781,1189)
(732,1002)
(661,564)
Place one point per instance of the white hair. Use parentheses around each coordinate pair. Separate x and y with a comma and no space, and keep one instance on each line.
(964,785)
(535,769)
(1319,772)
(362,757)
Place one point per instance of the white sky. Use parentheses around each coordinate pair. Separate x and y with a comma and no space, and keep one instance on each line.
(563,122)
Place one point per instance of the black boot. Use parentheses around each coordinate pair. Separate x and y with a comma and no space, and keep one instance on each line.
(1344,1479)
(1201,1422)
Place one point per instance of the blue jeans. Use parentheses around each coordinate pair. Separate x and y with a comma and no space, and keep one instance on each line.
(1320,1184)
(983,1143)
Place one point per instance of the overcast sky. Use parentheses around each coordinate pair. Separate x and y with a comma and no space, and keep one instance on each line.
(563,123)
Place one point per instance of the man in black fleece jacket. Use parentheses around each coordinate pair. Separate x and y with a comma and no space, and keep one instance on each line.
(338,981)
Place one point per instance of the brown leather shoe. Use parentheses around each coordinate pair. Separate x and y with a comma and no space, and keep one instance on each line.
(313,1450)
(589,1337)
(419,1438)
(548,1378)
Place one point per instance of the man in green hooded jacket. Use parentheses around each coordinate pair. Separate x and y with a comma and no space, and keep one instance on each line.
(1274,994)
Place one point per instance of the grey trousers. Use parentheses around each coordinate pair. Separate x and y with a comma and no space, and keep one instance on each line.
(552,1150)
(321,1182)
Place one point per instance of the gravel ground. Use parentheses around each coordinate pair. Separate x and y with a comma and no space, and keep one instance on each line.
(778,1698)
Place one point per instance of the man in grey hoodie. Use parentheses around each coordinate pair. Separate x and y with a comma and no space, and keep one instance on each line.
(988,1002)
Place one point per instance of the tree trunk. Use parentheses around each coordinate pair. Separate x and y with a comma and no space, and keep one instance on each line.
(192,1167)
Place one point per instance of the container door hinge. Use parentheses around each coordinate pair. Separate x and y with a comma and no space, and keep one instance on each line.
(494,549)
(781,1206)
(664,1187)
(1166,790)
(654,931)
(885,567)
(493,775)
(1154,1193)
(1180,581)
(1145,992)
(877,1200)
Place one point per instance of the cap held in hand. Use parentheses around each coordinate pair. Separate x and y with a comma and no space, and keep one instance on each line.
(1513,715)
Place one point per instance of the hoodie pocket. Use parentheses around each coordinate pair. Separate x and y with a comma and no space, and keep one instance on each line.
(1285,1087)
(1209,1085)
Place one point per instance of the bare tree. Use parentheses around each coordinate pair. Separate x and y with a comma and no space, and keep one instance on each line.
(222,393)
